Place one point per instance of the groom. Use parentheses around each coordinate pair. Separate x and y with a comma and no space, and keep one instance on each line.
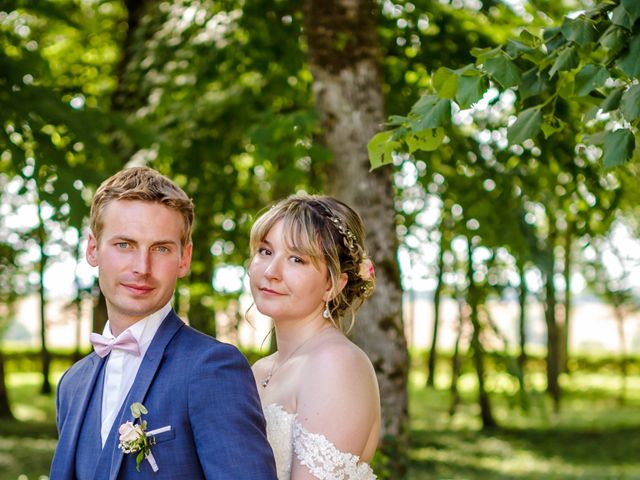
(202,412)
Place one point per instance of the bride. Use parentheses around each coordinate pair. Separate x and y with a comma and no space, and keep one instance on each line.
(308,271)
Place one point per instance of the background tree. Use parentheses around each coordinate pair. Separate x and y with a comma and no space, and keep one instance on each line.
(344,57)
(8,295)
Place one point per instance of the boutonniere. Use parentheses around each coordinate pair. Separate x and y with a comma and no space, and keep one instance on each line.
(134,439)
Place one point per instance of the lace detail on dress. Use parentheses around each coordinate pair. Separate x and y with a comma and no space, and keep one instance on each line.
(324,461)
(280,436)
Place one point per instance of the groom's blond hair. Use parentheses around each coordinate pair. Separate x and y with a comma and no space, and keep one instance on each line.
(147,185)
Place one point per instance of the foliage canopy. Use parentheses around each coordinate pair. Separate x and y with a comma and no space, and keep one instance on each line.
(591,60)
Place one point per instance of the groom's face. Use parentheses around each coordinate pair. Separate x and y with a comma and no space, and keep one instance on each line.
(139,259)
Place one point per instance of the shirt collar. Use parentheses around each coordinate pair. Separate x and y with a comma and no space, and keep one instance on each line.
(145,329)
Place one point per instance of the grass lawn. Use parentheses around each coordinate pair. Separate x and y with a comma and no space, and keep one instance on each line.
(26,446)
(594,436)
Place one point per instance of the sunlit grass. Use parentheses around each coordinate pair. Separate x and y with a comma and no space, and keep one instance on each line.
(28,404)
(594,436)
(25,458)
(27,445)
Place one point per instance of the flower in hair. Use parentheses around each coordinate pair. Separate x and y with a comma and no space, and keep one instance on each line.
(366,271)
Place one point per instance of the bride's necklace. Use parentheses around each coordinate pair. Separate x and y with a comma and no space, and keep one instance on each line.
(275,368)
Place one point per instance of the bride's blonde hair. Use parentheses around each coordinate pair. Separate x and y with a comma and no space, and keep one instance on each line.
(327,230)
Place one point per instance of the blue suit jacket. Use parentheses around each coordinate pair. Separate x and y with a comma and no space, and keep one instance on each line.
(202,388)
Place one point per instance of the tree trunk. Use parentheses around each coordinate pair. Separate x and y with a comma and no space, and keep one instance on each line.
(77,354)
(344,57)
(522,322)
(42,264)
(488,421)
(5,409)
(521,361)
(619,315)
(553,365)
(126,97)
(565,331)
(431,367)
(455,360)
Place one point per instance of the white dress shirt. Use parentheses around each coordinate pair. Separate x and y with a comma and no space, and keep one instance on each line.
(122,367)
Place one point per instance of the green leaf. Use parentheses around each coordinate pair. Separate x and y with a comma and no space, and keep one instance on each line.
(526,45)
(621,17)
(613,100)
(595,138)
(527,125)
(503,70)
(515,48)
(579,30)
(589,78)
(471,88)
(630,64)
(553,39)
(633,7)
(483,53)
(381,148)
(138,409)
(430,112)
(395,120)
(590,114)
(536,56)
(630,103)
(551,125)
(533,83)
(567,59)
(427,140)
(530,39)
(618,147)
(445,81)
(613,39)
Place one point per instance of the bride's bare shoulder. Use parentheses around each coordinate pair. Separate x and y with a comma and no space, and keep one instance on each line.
(337,358)
(338,395)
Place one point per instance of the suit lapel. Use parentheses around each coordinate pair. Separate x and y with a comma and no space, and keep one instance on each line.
(68,442)
(145,376)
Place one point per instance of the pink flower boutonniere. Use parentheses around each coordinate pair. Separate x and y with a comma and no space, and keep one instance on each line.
(133,438)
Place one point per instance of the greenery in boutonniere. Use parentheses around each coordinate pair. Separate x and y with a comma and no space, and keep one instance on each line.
(132,436)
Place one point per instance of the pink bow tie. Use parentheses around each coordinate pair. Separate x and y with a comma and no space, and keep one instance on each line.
(125,341)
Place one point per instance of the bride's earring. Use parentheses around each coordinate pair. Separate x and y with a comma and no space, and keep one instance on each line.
(325,313)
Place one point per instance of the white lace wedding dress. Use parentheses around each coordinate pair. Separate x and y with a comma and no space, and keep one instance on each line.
(288,437)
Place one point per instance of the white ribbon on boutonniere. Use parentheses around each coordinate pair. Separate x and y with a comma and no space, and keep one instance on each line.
(134,438)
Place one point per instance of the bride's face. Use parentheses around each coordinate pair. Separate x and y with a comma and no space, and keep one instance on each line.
(287,284)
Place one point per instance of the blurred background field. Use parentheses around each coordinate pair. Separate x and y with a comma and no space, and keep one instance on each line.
(596,435)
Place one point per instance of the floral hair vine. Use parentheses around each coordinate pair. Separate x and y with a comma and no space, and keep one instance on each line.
(348,236)
(350,240)
(366,270)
